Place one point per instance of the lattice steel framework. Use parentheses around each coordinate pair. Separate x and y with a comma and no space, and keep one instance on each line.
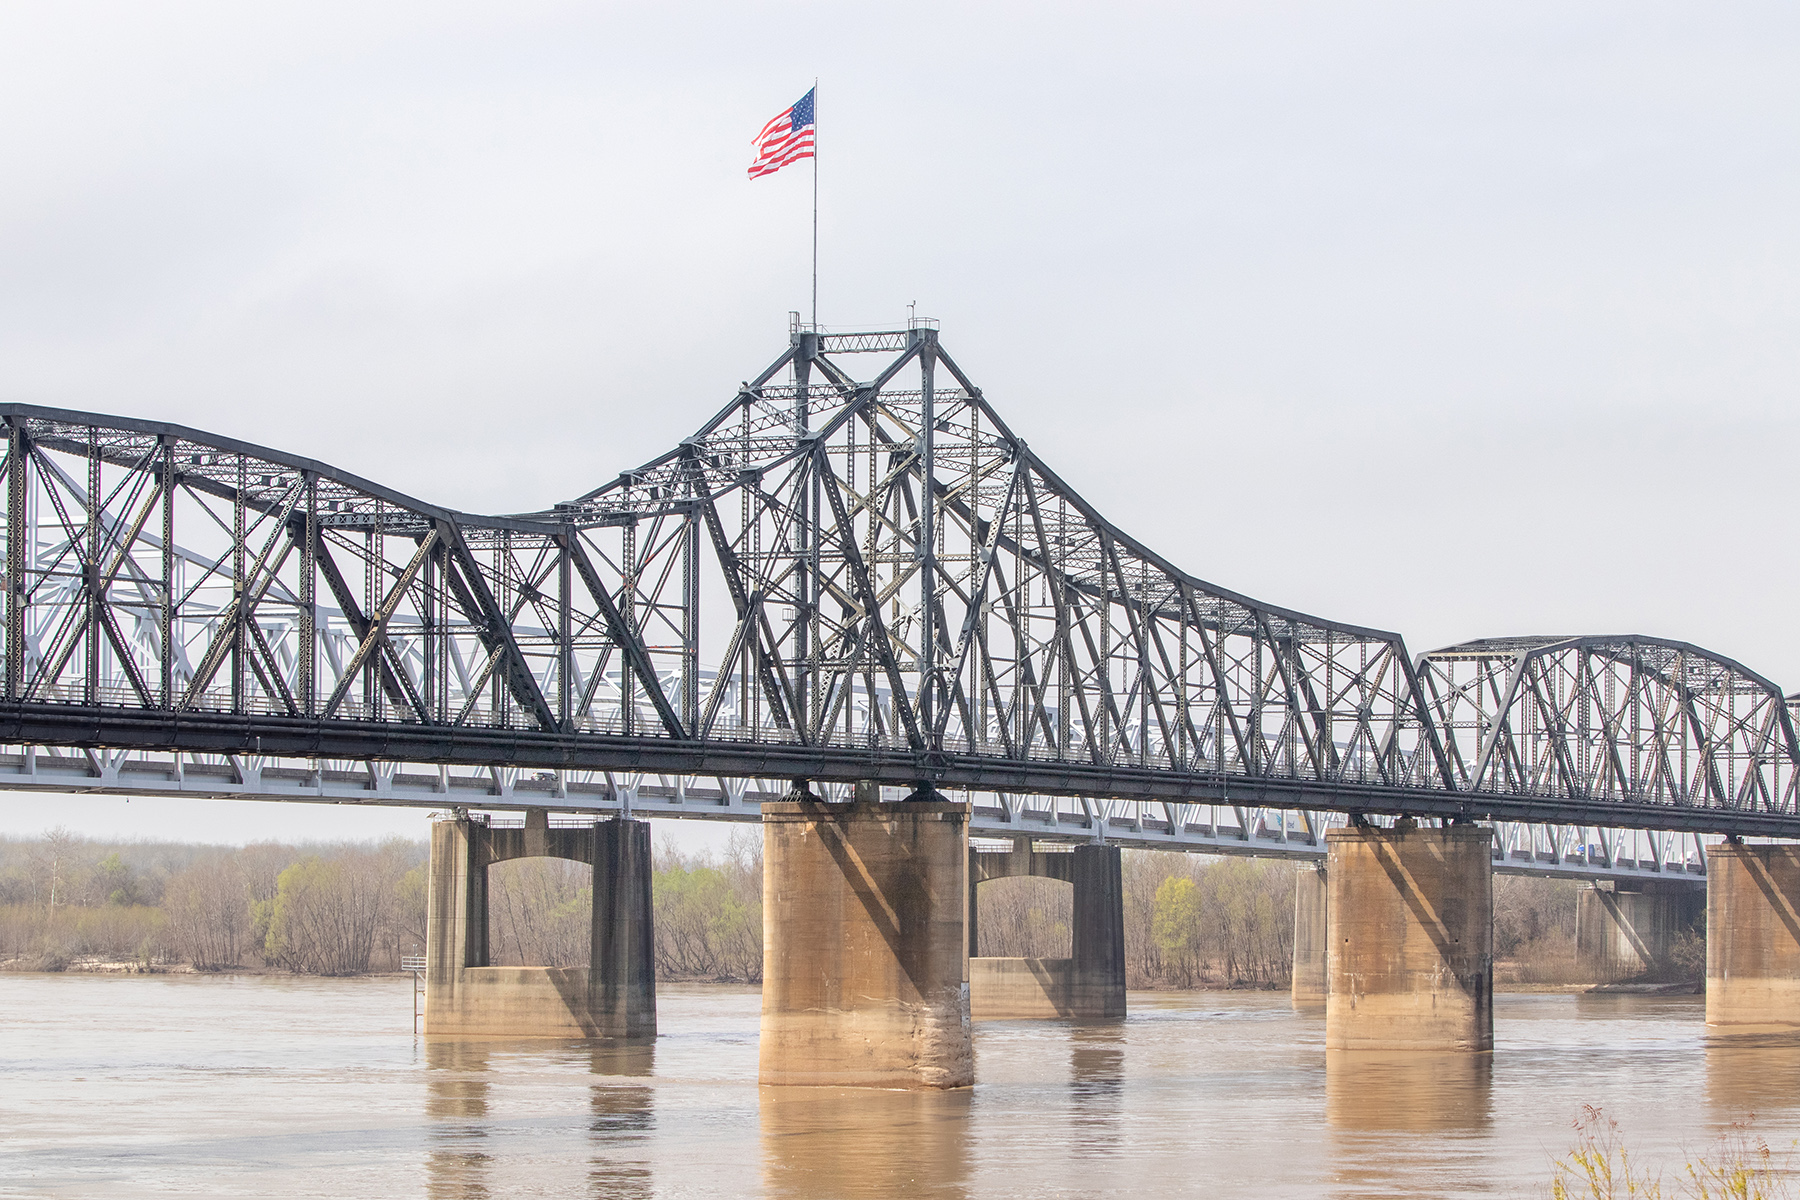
(1629,721)
(834,579)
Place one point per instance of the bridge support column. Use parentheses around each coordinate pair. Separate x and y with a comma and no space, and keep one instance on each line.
(865,964)
(1633,928)
(1090,983)
(1308,987)
(621,993)
(613,997)
(1752,937)
(1097,936)
(456,912)
(1409,918)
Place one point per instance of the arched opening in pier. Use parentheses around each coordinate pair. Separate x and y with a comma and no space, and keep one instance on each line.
(540,912)
(1024,916)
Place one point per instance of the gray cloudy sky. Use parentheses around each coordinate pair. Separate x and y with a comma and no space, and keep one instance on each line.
(1457,320)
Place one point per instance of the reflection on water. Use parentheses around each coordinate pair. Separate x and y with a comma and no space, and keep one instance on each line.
(608,1058)
(461,1078)
(249,1087)
(1371,1096)
(456,1090)
(1410,1092)
(1752,1075)
(624,1120)
(853,1142)
(1097,1084)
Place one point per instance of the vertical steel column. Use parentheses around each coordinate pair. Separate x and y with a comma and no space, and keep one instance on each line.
(307,653)
(1259,686)
(503,601)
(690,624)
(1142,635)
(806,512)
(1183,703)
(1020,623)
(749,693)
(627,604)
(166,615)
(90,686)
(372,552)
(239,592)
(565,659)
(429,635)
(1104,703)
(1065,639)
(928,643)
(442,616)
(17,555)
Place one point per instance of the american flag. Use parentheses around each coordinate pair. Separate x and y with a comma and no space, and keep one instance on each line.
(788,138)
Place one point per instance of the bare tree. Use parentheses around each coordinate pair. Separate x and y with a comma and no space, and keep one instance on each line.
(540,912)
(53,866)
(208,904)
(709,912)
(1024,917)
(329,913)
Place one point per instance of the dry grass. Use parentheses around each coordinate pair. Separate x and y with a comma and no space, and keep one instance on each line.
(1740,1165)
(1547,959)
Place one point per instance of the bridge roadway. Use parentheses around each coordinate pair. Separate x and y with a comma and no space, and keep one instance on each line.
(1524,848)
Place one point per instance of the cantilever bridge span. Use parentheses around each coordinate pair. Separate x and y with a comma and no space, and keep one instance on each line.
(851,572)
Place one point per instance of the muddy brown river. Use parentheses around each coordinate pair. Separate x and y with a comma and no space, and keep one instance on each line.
(265,1086)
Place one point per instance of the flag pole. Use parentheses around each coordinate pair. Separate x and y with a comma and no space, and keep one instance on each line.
(815,248)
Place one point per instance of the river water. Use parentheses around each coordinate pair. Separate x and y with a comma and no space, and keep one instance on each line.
(248,1086)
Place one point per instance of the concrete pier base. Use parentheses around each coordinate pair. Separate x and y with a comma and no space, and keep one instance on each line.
(864,976)
(1090,983)
(1752,938)
(1308,987)
(614,997)
(1409,918)
(1631,929)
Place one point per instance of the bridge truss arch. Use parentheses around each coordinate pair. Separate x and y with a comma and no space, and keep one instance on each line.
(1626,720)
(847,574)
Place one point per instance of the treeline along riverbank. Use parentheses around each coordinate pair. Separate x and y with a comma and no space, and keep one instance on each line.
(68,902)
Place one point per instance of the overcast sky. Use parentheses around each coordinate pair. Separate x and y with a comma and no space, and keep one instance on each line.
(1453,320)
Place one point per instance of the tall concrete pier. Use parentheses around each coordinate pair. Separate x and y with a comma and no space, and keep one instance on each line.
(1090,983)
(1308,987)
(1753,937)
(613,997)
(1627,929)
(865,964)
(1409,918)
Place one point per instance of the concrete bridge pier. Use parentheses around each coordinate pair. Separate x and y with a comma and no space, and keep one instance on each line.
(1308,987)
(865,979)
(1633,927)
(1090,983)
(1409,919)
(1752,937)
(613,997)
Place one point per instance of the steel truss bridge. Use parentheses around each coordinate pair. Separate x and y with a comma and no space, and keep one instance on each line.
(854,571)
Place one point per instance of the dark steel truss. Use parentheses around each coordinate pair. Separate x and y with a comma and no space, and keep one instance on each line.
(1632,720)
(834,579)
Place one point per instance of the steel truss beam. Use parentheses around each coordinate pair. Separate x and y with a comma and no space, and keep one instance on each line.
(835,578)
